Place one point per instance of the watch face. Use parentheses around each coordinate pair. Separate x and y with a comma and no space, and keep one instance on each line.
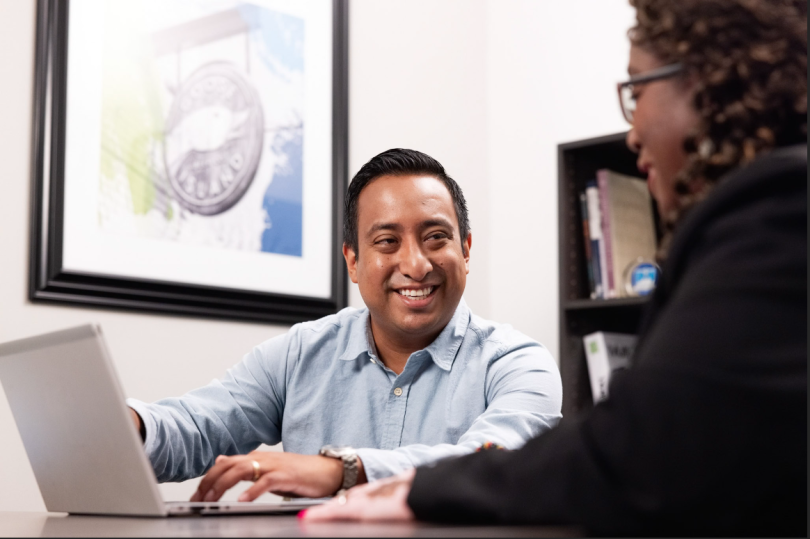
(213,139)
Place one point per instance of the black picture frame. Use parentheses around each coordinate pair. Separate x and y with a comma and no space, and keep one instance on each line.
(49,282)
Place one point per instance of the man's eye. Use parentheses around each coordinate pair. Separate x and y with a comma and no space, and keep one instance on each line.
(437,236)
(386,241)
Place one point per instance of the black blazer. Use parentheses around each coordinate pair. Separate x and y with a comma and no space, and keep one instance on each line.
(707,434)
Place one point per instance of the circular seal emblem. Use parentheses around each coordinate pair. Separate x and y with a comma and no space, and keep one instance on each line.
(641,277)
(213,139)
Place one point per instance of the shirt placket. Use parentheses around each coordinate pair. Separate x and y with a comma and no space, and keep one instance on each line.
(397,404)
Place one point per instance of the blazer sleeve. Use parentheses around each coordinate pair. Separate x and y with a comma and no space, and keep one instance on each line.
(707,434)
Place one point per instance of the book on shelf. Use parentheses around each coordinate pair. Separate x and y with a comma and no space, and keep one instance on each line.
(597,252)
(605,353)
(628,227)
(583,208)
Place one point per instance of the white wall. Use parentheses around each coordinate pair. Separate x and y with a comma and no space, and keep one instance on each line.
(552,68)
(418,80)
(488,87)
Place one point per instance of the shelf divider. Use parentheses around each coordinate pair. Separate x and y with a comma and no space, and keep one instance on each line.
(576,304)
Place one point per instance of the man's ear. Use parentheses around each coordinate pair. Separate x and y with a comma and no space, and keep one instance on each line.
(351,262)
(467,244)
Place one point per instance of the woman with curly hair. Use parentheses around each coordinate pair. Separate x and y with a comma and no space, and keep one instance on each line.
(707,434)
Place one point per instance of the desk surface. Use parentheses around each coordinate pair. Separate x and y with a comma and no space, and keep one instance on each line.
(62,525)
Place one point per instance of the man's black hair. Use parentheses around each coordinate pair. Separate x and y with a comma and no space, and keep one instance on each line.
(400,162)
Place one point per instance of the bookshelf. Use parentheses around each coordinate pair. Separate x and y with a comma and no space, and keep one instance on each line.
(580,315)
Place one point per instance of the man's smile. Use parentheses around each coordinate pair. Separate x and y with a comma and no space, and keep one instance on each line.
(417,297)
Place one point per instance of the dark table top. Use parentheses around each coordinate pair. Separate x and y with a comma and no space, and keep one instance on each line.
(19,524)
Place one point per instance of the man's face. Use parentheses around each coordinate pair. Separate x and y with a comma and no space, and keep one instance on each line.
(410,266)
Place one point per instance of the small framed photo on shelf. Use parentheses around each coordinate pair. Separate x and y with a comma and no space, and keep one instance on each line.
(190,157)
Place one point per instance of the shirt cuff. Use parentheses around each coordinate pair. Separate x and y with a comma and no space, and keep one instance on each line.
(381,463)
(149,424)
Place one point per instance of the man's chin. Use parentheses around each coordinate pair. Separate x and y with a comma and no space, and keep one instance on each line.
(420,324)
(416,323)
(418,330)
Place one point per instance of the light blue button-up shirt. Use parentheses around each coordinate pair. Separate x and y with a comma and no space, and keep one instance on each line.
(323,383)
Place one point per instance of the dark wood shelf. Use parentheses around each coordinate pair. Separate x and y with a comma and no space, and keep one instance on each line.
(579,315)
(575,304)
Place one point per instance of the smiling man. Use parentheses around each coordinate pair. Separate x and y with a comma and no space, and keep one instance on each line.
(367,393)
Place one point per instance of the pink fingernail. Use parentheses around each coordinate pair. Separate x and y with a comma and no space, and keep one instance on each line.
(302,514)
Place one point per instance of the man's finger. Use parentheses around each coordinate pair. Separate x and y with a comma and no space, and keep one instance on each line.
(258,488)
(221,464)
(241,470)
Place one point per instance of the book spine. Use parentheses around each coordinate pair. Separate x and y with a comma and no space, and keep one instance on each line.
(629,229)
(595,233)
(598,367)
(597,268)
(607,262)
(583,208)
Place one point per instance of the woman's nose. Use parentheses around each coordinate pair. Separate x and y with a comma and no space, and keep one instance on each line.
(633,142)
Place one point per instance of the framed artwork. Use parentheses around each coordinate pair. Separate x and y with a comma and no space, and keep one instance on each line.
(190,156)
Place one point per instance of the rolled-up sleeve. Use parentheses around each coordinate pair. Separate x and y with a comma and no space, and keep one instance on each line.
(233,415)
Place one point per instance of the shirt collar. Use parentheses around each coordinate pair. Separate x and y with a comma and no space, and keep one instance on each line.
(358,338)
(442,350)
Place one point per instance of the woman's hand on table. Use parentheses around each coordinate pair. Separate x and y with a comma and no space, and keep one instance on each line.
(384,500)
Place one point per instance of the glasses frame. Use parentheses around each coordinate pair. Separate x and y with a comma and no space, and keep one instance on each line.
(659,73)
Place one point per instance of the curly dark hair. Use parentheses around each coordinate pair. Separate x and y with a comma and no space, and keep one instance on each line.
(749,61)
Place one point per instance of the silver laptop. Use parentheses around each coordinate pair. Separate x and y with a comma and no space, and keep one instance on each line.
(86,454)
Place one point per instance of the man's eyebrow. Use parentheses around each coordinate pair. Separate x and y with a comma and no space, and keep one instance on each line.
(436,222)
(384,226)
(396,227)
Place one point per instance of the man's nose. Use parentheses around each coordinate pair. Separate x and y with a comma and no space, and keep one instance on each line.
(413,262)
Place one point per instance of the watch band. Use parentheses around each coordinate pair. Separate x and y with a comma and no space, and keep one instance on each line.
(351,463)
(350,470)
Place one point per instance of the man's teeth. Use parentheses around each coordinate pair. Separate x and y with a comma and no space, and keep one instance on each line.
(416,293)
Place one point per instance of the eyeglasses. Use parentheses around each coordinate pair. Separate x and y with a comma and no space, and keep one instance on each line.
(627,99)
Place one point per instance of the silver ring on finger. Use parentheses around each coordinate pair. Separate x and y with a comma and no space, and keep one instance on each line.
(342,496)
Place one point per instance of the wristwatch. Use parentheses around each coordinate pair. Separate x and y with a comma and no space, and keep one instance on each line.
(350,462)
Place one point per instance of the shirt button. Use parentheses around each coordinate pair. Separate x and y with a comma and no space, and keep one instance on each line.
(398,391)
